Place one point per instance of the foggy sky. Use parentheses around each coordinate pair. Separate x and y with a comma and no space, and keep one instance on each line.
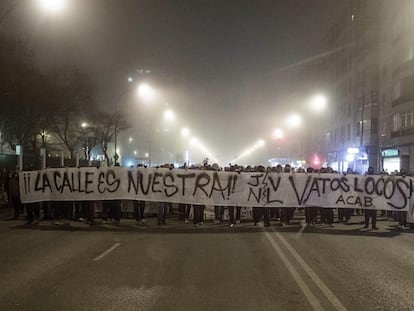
(209,59)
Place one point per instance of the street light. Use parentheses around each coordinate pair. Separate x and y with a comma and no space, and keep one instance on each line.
(185,132)
(117,100)
(318,102)
(169,115)
(146,92)
(277,133)
(294,121)
(52,6)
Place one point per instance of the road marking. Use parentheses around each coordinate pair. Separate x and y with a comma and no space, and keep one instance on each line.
(107,252)
(328,293)
(313,301)
(303,224)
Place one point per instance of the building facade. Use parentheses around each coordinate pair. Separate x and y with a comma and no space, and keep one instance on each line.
(371,77)
(397,87)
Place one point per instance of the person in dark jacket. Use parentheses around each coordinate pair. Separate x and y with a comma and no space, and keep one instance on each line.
(14,194)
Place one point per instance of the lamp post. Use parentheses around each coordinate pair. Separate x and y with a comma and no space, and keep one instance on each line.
(145,92)
(168,116)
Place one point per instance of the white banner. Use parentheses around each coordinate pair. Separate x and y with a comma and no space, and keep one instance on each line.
(217,187)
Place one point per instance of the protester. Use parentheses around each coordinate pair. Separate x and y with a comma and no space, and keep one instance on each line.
(14,194)
(139,209)
(33,213)
(112,208)
(162,212)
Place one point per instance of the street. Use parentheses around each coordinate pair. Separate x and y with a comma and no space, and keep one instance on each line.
(212,267)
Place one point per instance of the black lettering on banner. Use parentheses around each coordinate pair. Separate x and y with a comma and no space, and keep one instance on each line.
(257,181)
(335,184)
(357,201)
(218,187)
(344,184)
(170,188)
(200,185)
(56,175)
(88,181)
(369,185)
(28,182)
(314,187)
(112,182)
(25,183)
(356,180)
(234,183)
(268,199)
(73,184)
(132,182)
(229,179)
(324,181)
(379,190)
(387,194)
(155,182)
(275,187)
(101,181)
(141,183)
(367,201)
(400,181)
(183,178)
(256,197)
(46,182)
(340,200)
(292,182)
(79,189)
(66,183)
(37,182)
(350,200)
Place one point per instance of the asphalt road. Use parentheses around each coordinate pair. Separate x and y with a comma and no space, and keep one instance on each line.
(212,267)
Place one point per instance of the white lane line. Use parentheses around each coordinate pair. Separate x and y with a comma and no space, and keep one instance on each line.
(107,252)
(328,293)
(313,301)
(303,224)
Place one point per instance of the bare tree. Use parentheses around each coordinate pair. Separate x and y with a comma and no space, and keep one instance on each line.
(70,102)
(108,125)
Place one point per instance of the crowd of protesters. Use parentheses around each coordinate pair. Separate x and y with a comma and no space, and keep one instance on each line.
(111,210)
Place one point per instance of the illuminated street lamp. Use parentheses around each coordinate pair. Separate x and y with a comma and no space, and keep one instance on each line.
(294,121)
(52,6)
(318,102)
(169,115)
(194,141)
(185,132)
(146,92)
(277,133)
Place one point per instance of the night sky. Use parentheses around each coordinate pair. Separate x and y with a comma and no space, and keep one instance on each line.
(209,59)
